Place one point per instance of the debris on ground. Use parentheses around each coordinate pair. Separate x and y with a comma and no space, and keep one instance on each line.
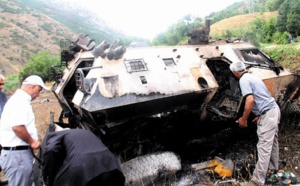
(223,168)
(281,178)
(234,143)
(46,100)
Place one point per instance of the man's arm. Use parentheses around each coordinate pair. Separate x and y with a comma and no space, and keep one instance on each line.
(22,133)
(247,110)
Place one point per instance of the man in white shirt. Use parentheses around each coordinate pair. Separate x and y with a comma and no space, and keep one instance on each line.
(18,127)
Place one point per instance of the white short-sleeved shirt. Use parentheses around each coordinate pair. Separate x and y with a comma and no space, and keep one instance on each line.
(17,111)
(263,100)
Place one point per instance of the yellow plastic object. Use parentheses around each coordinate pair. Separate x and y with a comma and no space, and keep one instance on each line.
(224,169)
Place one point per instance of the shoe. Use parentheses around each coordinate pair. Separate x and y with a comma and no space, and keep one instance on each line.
(272,179)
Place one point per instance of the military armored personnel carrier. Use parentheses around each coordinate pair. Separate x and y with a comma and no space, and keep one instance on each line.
(126,95)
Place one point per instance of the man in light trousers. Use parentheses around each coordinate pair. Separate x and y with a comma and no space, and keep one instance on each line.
(259,101)
(19,133)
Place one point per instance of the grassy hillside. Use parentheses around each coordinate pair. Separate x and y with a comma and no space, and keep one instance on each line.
(238,21)
(286,55)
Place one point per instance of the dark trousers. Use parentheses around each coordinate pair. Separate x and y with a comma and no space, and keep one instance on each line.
(112,178)
(0,154)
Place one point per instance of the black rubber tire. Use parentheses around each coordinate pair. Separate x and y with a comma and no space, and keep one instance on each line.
(290,117)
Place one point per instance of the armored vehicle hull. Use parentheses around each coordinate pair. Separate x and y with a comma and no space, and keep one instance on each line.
(109,89)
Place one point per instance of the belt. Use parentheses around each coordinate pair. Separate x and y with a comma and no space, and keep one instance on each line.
(265,111)
(26,147)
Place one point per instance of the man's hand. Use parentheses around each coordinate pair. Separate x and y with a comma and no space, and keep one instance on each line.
(255,120)
(22,133)
(248,108)
(35,145)
(242,122)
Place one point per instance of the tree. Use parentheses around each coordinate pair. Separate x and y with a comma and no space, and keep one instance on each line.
(268,29)
(293,17)
(282,16)
(289,17)
(39,64)
(273,5)
(177,33)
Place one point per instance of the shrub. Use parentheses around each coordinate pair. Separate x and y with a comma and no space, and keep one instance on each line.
(280,38)
(279,53)
(39,64)
(11,83)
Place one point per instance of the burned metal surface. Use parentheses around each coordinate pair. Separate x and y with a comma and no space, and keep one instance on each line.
(127,95)
(200,36)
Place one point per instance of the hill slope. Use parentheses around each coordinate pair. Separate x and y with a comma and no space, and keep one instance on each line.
(24,34)
(238,21)
(31,26)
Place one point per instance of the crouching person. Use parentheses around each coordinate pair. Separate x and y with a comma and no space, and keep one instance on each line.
(78,157)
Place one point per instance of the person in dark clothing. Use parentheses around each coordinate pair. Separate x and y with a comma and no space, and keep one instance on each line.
(290,38)
(78,157)
(3,98)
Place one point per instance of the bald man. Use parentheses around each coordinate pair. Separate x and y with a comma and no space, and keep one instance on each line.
(21,137)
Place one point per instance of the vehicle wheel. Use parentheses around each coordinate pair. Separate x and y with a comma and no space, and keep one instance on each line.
(290,117)
(145,170)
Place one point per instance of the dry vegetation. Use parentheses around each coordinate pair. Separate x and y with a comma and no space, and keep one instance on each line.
(238,21)
(26,34)
(294,64)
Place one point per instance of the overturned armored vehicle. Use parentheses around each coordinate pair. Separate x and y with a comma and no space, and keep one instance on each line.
(105,86)
(110,90)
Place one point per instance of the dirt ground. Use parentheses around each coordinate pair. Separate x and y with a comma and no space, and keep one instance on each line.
(289,137)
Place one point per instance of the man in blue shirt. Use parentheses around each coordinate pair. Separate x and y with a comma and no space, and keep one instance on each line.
(259,100)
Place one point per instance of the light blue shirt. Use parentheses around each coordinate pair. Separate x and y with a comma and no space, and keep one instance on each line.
(263,100)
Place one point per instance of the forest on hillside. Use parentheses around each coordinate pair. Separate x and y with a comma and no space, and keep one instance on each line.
(276,29)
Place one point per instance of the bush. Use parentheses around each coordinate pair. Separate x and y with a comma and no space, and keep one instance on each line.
(39,64)
(11,83)
(280,38)
(281,52)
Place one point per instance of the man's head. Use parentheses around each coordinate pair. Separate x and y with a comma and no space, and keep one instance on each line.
(2,82)
(237,68)
(33,85)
